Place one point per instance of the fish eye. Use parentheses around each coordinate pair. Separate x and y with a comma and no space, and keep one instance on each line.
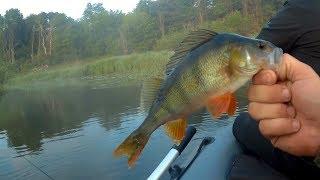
(261,46)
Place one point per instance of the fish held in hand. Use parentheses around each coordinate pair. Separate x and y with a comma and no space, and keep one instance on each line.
(205,71)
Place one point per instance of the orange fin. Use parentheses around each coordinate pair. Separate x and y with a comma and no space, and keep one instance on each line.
(225,103)
(132,147)
(176,129)
(232,105)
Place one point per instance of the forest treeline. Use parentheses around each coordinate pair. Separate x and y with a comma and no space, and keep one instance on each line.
(52,38)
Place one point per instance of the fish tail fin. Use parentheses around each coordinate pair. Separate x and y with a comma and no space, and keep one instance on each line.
(132,147)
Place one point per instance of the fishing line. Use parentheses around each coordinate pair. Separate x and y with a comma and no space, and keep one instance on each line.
(37,168)
(33,164)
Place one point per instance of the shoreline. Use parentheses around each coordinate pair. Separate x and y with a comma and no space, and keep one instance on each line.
(103,70)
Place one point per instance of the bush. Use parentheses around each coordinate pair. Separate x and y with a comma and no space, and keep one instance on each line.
(6,71)
(235,22)
(137,66)
(170,40)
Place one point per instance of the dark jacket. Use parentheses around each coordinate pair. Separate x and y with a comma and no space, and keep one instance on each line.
(296,29)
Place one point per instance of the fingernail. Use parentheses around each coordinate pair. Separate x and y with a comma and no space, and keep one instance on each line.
(286,93)
(291,112)
(296,124)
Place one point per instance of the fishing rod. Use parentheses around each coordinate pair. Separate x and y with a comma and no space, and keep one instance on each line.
(174,152)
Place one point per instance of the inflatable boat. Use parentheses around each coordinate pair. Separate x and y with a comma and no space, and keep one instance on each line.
(213,158)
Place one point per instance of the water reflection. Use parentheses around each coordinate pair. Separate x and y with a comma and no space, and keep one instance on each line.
(28,117)
(70,134)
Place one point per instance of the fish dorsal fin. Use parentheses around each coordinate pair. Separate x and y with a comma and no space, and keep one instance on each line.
(149,91)
(176,129)
(225,103)
(192,41)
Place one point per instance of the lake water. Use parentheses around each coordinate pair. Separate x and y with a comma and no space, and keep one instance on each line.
(70,133)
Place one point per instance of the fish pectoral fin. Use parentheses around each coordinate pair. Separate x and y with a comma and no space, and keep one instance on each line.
(218,105)
(225,103)
(232,105)
(176,129)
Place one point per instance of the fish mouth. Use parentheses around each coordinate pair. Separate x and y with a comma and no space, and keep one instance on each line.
(275,58)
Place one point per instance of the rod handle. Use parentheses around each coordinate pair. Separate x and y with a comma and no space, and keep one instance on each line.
(189,134)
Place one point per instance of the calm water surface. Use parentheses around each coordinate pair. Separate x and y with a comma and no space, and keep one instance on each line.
(70,133)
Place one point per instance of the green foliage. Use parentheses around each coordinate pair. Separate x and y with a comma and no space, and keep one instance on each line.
(6,71)
(139,31)
(134,65)
(170,41)
(54,38)
(98,30)
(234,22)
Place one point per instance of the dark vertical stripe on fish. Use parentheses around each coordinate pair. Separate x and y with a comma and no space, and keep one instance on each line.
(196,71)
(182,93)
(167,108)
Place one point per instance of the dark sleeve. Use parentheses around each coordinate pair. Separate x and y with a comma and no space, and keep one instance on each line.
(296,29)
(283,29)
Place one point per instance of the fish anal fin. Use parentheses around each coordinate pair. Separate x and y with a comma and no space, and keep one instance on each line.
(176,129)
(132,147)
(225,103)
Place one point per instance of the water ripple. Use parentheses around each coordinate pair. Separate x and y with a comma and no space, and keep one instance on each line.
(72,133)
(64,138)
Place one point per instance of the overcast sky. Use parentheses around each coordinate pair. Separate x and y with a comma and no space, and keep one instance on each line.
(73,8)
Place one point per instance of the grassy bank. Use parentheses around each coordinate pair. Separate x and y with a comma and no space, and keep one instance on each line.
(101,70)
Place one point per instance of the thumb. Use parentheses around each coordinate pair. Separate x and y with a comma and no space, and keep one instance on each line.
(293,70)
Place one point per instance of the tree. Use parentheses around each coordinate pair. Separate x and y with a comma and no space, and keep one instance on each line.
(253,8)
(64,38)
(13,21)
(54,37)
(100,27)
(2,40)
(203,7)
(92,10)
(140,32)
(31,30)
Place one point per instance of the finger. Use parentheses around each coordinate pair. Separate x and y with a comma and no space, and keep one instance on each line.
(293,70)
(265,77)
(305,147)
(287,144)
(260,111)
(269,94)
(278,126)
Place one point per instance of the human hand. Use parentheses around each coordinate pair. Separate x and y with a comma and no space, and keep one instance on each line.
(286,103)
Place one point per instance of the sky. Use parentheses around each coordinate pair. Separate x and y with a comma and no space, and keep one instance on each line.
(72,8)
